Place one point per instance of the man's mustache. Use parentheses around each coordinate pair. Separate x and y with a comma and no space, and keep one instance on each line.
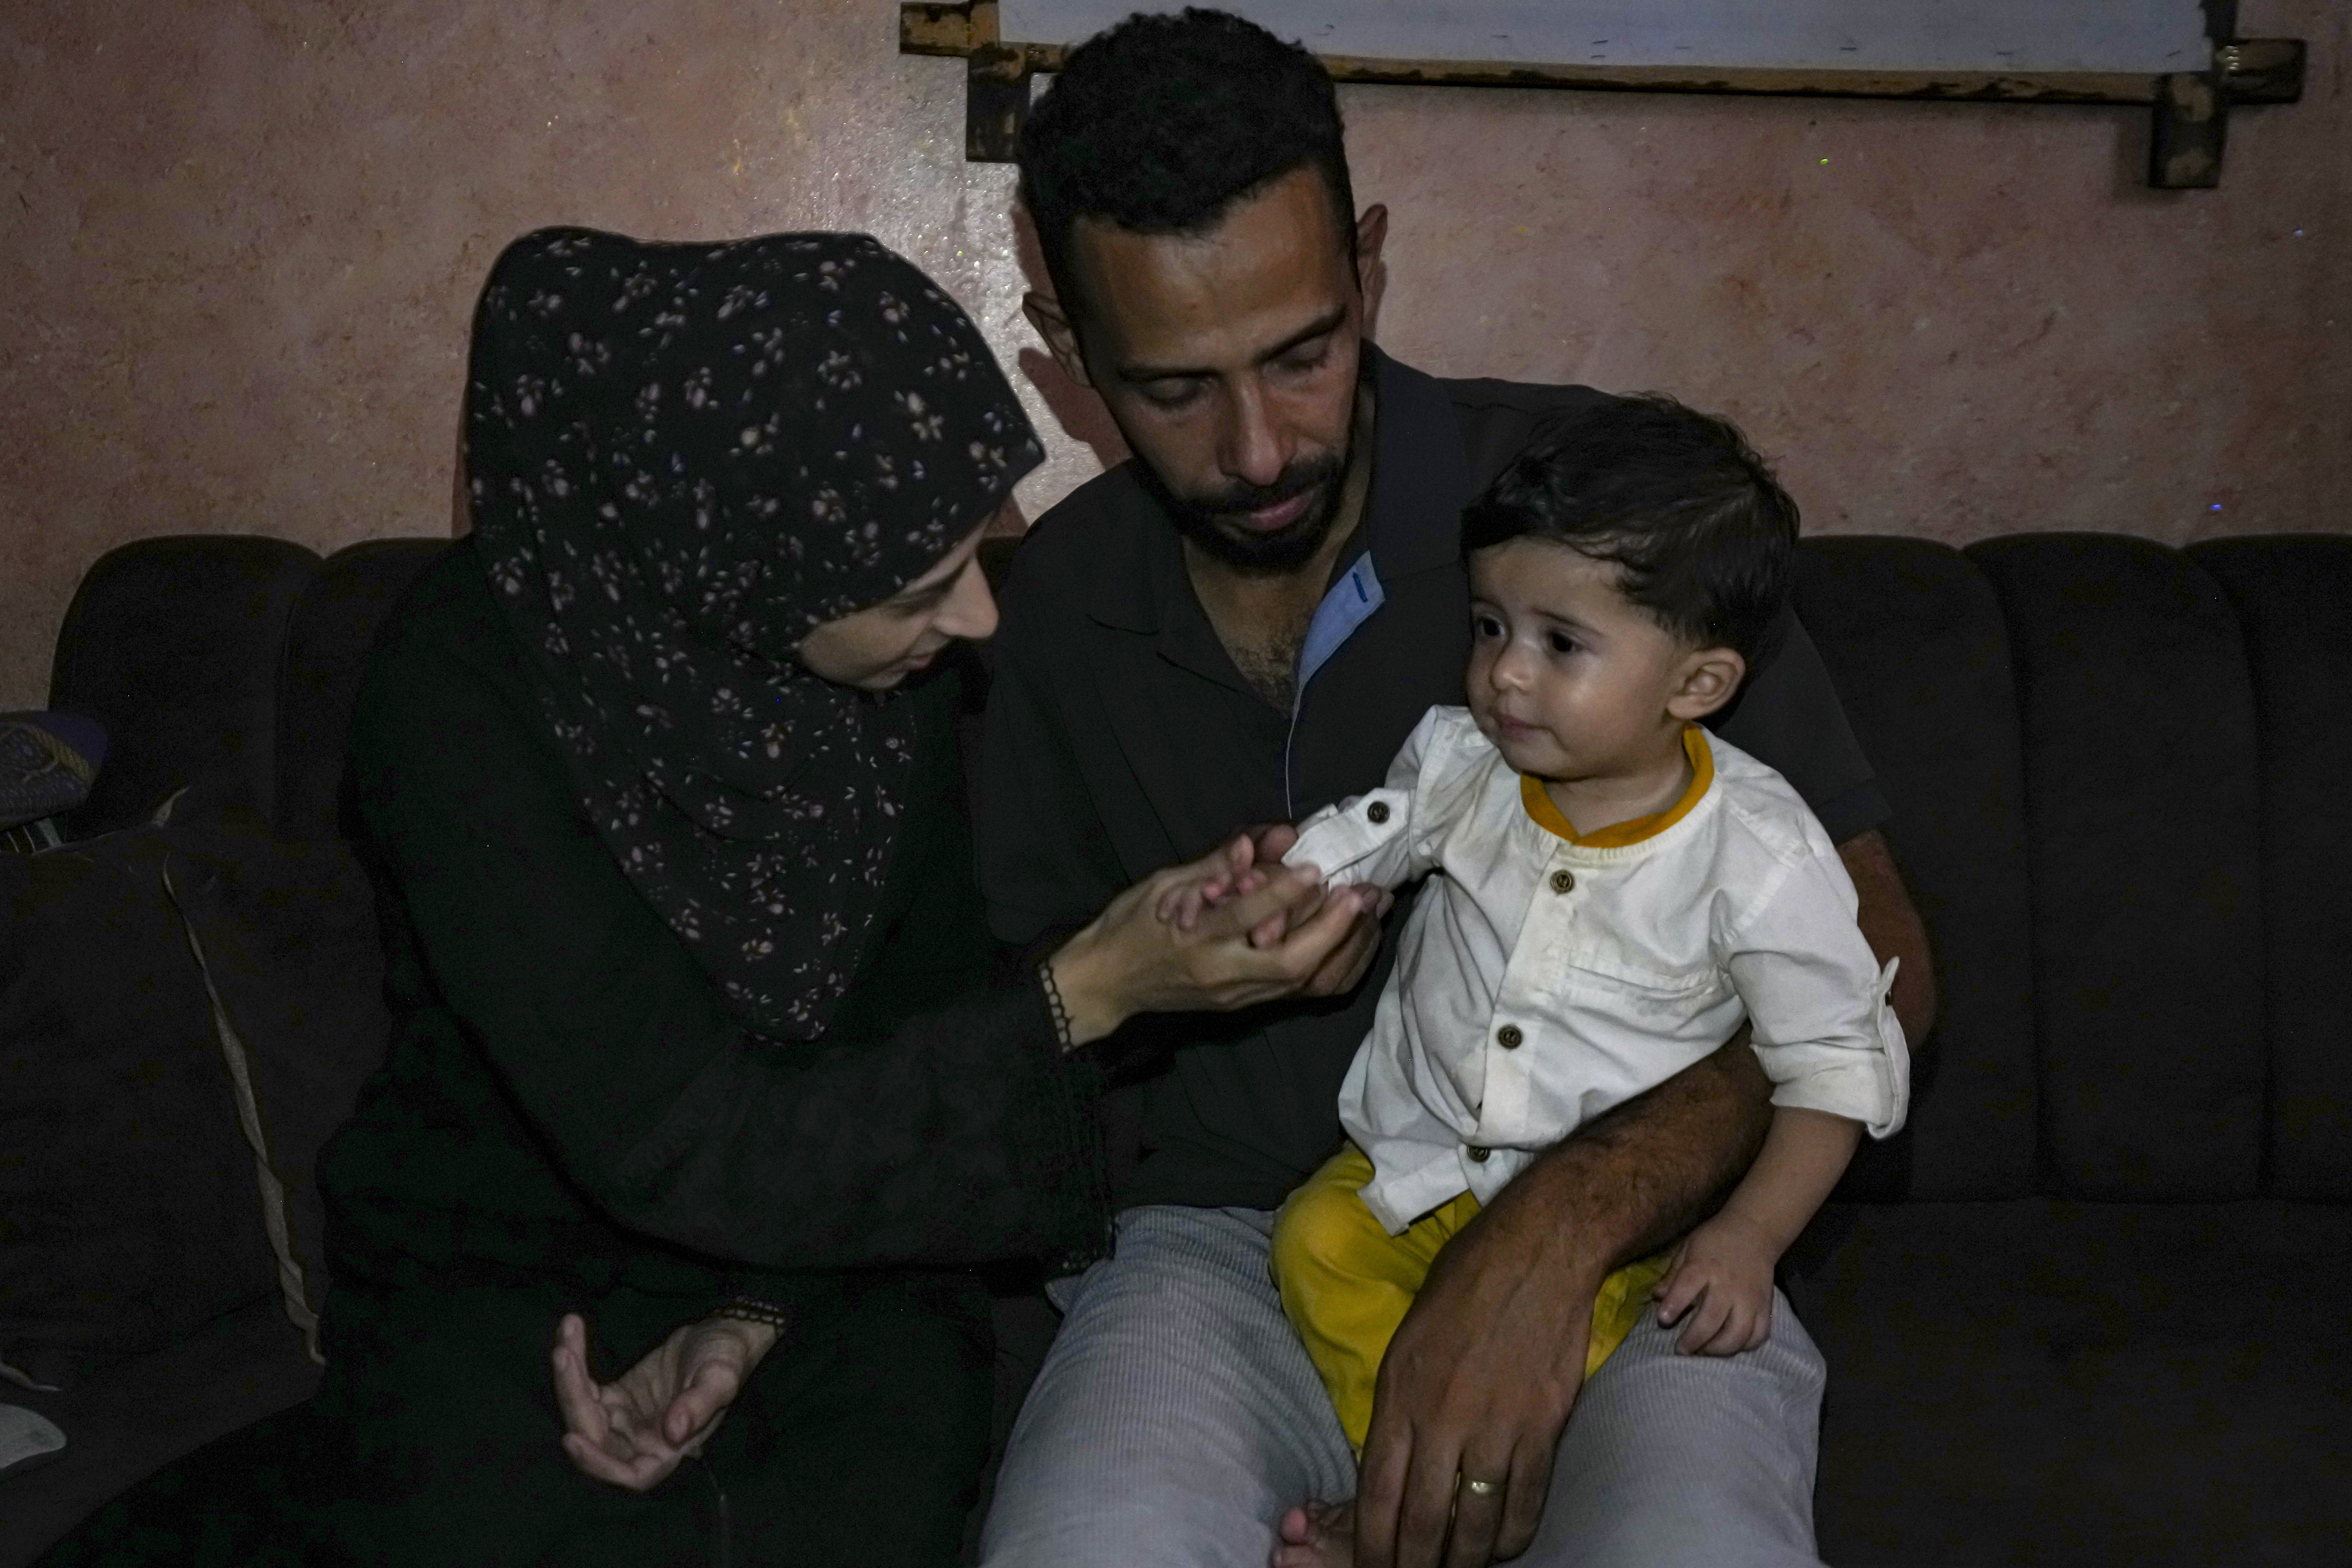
(1295,481)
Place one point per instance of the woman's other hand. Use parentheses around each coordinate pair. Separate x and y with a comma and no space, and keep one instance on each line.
(632,1431)
(1287,935)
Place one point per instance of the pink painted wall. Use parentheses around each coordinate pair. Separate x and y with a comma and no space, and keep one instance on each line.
(241,244)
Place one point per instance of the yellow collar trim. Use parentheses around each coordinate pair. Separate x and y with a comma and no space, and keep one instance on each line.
(1618,835)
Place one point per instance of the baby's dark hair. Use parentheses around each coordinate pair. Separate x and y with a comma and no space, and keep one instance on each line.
(1703,536)
(1162,123)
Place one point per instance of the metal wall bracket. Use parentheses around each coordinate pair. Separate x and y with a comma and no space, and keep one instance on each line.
(996,74)
(2192,108)
(2184,149)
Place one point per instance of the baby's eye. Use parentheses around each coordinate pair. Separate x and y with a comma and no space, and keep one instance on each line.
(1560,642)
(1486,626)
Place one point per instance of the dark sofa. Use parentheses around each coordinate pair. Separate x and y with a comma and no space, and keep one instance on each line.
(2086,1308)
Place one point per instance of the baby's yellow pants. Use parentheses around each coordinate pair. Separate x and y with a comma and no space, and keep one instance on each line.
(1346,1282)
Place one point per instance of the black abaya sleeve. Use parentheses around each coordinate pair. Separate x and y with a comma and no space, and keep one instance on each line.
(959,1135)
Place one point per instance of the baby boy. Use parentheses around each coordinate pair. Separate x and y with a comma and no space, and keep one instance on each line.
(1613,889)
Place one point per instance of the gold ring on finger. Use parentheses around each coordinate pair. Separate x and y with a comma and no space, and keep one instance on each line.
(1481,1489)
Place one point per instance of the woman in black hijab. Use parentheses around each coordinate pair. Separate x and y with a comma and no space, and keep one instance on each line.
(701,1034)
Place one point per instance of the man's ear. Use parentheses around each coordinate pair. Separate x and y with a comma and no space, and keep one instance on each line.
(1053,324)
(1711,676)
(1371,278)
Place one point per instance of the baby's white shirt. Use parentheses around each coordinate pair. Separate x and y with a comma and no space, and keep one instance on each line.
(1540,981)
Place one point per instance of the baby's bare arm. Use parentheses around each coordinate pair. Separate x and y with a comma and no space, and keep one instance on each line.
(1804,1154)
(1721,1276)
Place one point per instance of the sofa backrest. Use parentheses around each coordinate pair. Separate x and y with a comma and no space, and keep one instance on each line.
(2117,772)
(1914,637)
(2293,602)
(2118,777)
(229,662)
(172,645)
(2143,839)
(328,636)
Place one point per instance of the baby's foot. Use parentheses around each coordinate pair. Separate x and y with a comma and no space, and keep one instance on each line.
(1318,1535)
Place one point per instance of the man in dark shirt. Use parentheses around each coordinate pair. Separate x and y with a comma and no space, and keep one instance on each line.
(1237,627)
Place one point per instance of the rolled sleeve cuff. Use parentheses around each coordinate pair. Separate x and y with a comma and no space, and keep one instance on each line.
(1859,1092)
(1872,1085)
(1412,1181)
(1340,839)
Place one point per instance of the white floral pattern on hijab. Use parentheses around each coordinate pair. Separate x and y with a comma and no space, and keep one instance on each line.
(681,458)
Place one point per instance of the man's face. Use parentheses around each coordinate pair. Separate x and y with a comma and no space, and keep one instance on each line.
(1229,360)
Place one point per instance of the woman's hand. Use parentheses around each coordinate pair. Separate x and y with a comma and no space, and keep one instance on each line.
(632,1431)
(1287,935)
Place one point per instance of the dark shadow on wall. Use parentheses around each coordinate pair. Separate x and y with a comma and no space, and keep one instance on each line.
(1076,408)
(2135,128)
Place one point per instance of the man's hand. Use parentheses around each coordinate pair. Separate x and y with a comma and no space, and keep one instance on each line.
(1722,1277)
(633,1431)
(1481,1376)
(1477,1384)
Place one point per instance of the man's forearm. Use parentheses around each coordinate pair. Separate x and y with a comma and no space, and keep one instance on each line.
(1633,1180)
(1891,924)
(1636,1178)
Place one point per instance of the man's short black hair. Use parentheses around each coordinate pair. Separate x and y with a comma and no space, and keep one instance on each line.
(1162,123)
(1703,536)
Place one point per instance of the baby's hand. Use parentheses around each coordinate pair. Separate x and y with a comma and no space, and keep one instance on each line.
(1249,863)
(1180,904)
(1721,1276)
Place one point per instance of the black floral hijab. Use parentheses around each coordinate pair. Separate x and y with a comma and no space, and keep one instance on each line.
(681,457)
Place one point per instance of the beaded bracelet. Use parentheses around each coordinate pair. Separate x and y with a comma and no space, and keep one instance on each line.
(751,1310)
(1053,1005)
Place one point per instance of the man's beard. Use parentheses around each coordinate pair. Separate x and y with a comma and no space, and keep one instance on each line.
(1213,523)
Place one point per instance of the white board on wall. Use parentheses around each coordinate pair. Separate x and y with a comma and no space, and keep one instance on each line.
(2008,37)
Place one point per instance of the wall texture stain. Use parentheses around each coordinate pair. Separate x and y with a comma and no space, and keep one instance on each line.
(242,242)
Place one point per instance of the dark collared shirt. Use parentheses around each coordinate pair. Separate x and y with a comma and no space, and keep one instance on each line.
(1120,737)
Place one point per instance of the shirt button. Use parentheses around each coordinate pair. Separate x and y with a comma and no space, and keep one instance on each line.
(1563,881)
(1377,813)
(1478,1155)
(1509,1038)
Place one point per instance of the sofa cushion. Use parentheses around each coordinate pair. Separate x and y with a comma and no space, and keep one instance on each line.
(2293,598)
(1914,639)
(172,645)
(2048,1382)
(328,639)
(2143,827)
(286,937)
(127,1200)
(128,1420)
